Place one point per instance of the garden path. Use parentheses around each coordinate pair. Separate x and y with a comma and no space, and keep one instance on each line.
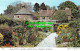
(49,41)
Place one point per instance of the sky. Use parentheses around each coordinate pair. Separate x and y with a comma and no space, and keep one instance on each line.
(5,3)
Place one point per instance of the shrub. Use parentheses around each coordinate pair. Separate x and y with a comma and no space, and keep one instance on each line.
(1,38)
(15,39)
(68,34)
(4,19)
(32,35)
(20,32)
(73,24)
(59,15)
(19,29)
(62,27)
(6,31)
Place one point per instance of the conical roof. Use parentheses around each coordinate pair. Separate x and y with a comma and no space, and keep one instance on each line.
(23,11)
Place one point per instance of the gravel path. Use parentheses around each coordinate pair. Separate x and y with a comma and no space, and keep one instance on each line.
(49,41)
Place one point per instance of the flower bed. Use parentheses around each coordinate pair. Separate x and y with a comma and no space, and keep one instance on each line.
(68,34)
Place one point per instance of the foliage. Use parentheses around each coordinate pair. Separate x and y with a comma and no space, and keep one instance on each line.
(1,39)
(48,7)
(35,37)
(6,31)
(36,7)
(62,27)
(70,5)
(15,38)
(16,6)
(79,9)
(21,34)
(39,38)
(11,22)
(4,19)
(4,26)
(67,4)
(74,24)
(19,29)
(43,7)
(59,15)
(19,39)
(10,9)
(53,8)
(68,34)
(31,36)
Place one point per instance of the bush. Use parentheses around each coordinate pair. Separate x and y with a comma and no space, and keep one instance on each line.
(59,15)
(73,24)
(7,20)
(19,29)
(6,31)
(68,34)
(62,27)
(1,39)
(20,32)
(15,39)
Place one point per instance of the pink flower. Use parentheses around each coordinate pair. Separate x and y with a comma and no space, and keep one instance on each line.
(13,33)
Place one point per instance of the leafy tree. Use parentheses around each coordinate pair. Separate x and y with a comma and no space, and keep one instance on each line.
(10,9)
(53,8)
(15,7)
(36,7)
(7,20)
(43,7)
(79,9)
(70,5)
(18,5)
(48,7)
(73,24)
(59,15)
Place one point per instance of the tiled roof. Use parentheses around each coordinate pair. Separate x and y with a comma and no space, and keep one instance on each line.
(68,11)
(44,13)
(23,11)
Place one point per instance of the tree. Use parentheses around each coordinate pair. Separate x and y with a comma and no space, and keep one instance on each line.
(18,5)
(59,15)
(15,7)
(9,10)
(79,9)
(36,7)
(43,7)
(53,8)
(70,5)
(48,7)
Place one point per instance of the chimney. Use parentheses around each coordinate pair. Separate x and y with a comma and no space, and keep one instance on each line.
(68,12)
(66,8)
(23,6)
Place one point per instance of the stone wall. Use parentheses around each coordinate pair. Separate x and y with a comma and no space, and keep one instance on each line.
(23,17)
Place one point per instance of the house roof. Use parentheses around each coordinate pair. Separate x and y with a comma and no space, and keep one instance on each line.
(68,11)
(45,13)
(23,11)
(48,13)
